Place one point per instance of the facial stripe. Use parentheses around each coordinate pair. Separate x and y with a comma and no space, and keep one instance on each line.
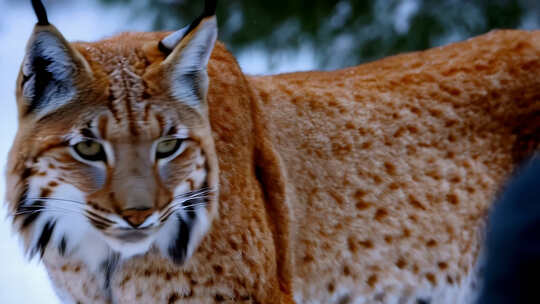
(147,109)
(161,123)
(62,246)
(22,197)
(131,118)
(179,247)
(112,108)
(102,126)
(44,238)
(51,146)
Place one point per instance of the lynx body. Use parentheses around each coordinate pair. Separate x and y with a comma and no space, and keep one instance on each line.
(147,171)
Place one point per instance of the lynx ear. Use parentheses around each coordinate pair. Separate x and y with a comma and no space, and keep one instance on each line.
(189,50)
(49,69)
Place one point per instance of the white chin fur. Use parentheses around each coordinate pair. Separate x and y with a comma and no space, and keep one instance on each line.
(130,249)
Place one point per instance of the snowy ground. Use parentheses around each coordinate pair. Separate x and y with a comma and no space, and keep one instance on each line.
(21,281)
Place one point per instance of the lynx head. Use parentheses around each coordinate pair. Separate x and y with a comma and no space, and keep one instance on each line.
(114,145)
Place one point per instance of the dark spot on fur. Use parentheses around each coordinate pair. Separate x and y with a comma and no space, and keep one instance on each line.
(218,269)
(416,203)
(346,271)
(390,168)
(442,265)
(431,243)
(331,287)
(219,298)
(401,263)
(431,278)
(366,244)
(126,279)
(173,298)
(233,244)
(372,280)
(53,184)
(452,199)
(351,242)
(380,214)
(45,192)
(308,258)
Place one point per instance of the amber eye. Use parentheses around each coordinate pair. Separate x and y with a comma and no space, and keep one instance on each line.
(167,148)
(90,150)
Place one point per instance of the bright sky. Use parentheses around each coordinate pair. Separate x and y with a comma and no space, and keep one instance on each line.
(22,281)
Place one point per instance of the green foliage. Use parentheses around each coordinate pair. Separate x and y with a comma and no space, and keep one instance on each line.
(343,32)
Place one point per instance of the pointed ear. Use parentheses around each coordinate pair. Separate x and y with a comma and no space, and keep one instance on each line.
(189,51)
(49,72)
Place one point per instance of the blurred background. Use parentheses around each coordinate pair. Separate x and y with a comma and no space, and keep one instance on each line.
(341,33)
(266,37)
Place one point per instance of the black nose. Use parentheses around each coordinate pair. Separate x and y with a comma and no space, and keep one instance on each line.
(136,216)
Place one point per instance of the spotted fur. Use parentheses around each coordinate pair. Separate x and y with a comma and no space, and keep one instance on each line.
(364,185)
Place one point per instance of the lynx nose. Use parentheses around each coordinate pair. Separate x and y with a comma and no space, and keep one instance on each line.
(136,216)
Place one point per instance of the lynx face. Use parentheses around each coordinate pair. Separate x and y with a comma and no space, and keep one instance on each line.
(114,153)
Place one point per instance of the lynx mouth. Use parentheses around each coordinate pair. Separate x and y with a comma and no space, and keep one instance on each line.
(132,236)
(131,242)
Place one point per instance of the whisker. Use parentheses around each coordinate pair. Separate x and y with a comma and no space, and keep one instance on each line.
(188,201)
(43,207)
(55,199)
(99,217)
(170,210)
(202,191)
(41,210)
(182,203)
(188,206)
(98,224)
(179,201)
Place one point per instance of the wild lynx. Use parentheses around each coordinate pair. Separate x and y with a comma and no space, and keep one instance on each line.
(148,168)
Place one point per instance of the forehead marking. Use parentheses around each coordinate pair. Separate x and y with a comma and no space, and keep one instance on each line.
(126,86)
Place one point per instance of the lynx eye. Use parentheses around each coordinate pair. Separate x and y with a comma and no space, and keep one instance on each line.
(90,150)
(167,148)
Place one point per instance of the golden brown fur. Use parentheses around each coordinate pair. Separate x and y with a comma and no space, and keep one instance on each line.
(369,183)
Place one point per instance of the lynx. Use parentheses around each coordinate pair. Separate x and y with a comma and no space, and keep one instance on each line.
(147,168)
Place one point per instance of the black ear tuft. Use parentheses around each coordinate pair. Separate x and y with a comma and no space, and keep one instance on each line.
(41,13)
(166,47)
(210,7)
